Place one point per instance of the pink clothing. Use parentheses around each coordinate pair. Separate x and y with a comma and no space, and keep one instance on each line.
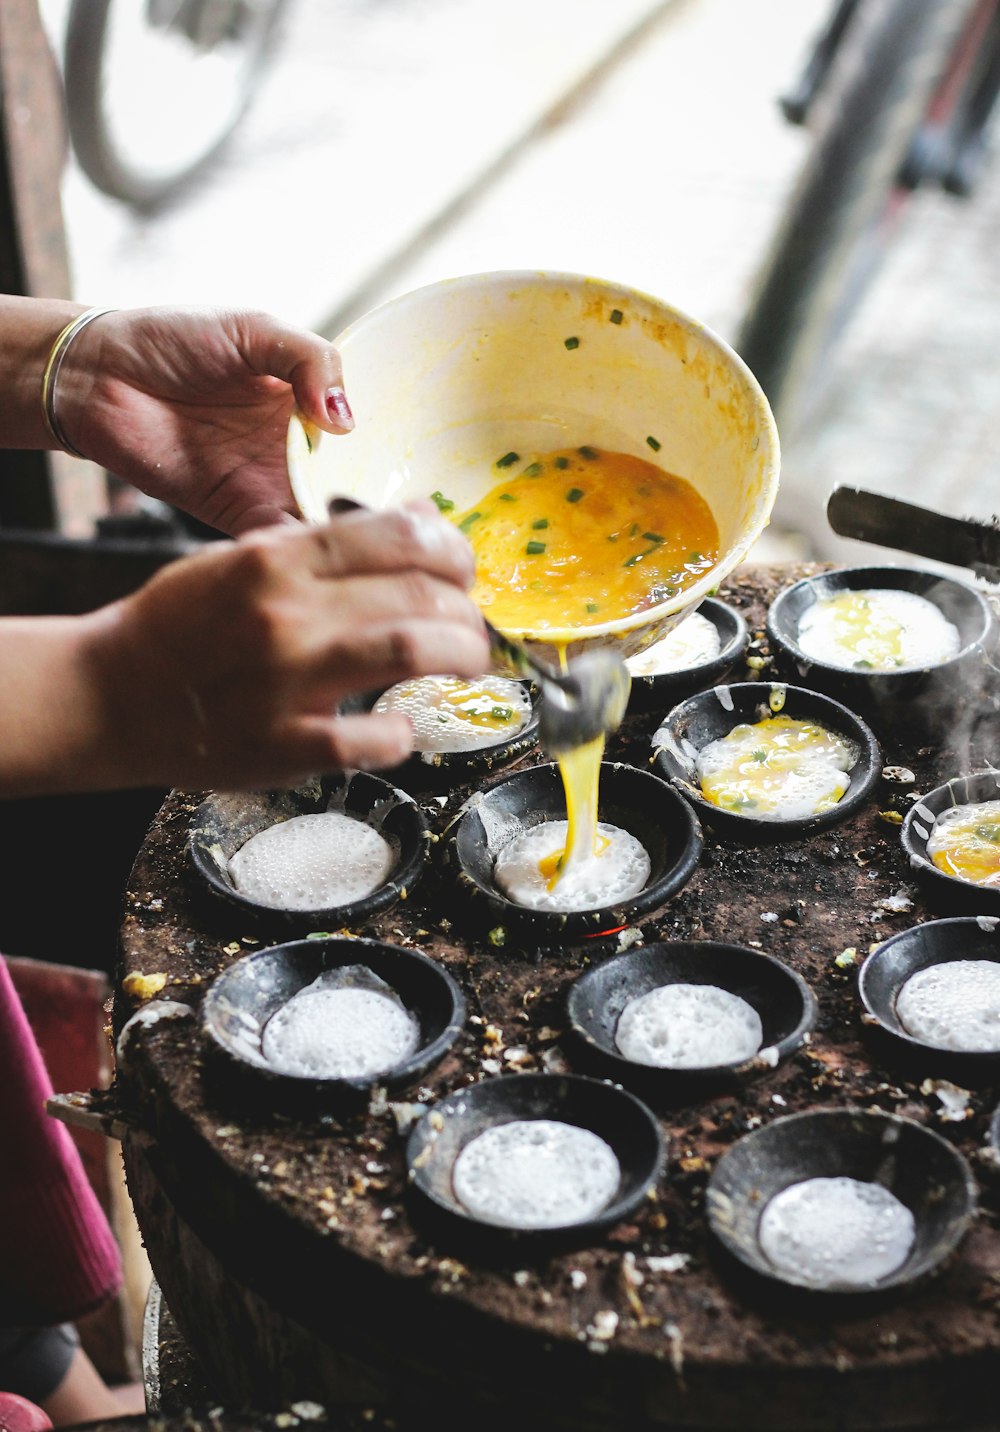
(58,1255)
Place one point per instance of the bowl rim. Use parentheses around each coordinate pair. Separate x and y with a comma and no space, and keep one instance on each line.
(356,950)
(630,1068)
(842,720)
(303,437)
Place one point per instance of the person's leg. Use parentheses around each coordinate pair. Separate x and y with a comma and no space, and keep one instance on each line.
(49,1368)
(84,1396)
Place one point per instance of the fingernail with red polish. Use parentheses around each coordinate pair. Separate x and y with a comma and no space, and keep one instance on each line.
(339,408)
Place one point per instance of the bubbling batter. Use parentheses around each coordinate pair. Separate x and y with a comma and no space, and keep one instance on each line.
(312,862)
(965,842)
(347,1024)
(535,1173)
(693,642)
(953,1005)
(689,1026)
(448,714)
(583,536)
(839,1231)
(777,769)
(878,629)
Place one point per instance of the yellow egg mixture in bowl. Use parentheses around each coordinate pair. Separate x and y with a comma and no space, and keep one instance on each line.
(610,459)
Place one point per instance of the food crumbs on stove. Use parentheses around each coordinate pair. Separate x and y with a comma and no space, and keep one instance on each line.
(139,986)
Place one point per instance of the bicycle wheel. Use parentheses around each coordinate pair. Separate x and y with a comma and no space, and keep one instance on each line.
(843,210)
(154,88)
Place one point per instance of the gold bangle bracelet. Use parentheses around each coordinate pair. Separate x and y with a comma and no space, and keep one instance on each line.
(51,376)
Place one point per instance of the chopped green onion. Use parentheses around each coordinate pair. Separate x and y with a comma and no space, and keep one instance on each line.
(694,557)
(633,529)
(508,459)
(588,453)
(539,523)
(562,463)
(760,755)
(309,441)
(507,497)
(574,494)
(444,504)
(534,548)
(502,713)
(467,522)
(864,663)
(592,607)
(532,470)
(654,444)
(635,557)
(653,537)
(616,315)
(613,536)
(572,342)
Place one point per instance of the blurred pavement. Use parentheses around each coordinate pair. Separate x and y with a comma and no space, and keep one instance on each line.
(396,142)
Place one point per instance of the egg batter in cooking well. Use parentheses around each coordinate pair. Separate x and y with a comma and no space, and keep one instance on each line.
(777,769)
(965,842)
(448,714)
(878,629)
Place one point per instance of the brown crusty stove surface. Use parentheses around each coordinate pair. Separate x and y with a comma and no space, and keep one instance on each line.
(316,1219)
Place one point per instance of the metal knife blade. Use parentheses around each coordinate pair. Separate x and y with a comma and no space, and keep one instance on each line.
(890,522)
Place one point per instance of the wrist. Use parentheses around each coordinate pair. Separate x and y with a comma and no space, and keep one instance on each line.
(67,346)
(28,329)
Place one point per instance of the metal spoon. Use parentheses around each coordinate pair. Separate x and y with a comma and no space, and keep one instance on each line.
(584,702)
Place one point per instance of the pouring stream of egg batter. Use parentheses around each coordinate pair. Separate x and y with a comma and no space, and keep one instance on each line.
(571,539)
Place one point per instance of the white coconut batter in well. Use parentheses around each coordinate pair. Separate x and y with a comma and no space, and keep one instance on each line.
(955,1005)
(689,1026)
(452,715)
(535,1173)
(693,642)
(347,1024)
(878,629)
(312,862)
(830,1231)
(620,870)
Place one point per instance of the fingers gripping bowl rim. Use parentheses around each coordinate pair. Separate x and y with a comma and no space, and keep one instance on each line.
(446,378)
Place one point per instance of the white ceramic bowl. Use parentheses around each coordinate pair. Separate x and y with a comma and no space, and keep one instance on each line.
(443,380)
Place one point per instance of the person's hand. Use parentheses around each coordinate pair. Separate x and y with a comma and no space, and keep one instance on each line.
(191,406)
(225,669)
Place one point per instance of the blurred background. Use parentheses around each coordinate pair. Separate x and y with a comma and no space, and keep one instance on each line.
(389,143)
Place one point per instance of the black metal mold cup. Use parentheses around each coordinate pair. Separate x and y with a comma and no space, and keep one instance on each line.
(919,1167)
(947,893)
(633,800)
(923,698)
(224,822)
(664,689)
(246,996)
(616,1116)
(596,999)
(712,715)
(905,954)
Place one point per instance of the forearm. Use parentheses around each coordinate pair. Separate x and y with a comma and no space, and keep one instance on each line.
(60,732)
(28,329)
